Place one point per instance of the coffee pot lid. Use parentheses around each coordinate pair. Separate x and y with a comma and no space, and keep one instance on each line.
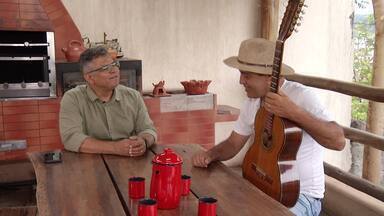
(168,157)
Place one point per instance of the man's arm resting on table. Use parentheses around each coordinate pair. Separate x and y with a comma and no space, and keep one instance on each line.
(223,151)
(128,147)
(148,138)
(92,145)
(228,148)
(124,147)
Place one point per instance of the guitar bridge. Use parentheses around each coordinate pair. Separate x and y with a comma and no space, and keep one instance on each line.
(261,174)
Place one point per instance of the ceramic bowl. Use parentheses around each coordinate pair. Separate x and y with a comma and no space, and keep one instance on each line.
(196,87)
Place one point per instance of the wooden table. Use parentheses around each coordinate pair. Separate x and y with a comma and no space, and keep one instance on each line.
(91,184)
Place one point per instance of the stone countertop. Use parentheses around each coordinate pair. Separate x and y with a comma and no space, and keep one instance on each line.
(183,102)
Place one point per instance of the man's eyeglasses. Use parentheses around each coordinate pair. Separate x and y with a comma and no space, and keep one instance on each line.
(106,68)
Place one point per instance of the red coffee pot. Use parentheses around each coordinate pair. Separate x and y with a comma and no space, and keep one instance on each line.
(166,179)
(73,50)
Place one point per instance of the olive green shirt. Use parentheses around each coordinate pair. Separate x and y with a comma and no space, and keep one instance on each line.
(83,114)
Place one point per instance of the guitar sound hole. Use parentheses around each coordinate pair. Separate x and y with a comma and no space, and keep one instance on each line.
(267,140)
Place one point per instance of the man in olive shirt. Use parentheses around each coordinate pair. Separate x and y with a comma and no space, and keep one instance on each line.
(103,116)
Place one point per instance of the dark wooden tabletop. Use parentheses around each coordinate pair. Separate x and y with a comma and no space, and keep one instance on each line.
(235,195)
(80,185)
(86,184)
(122,168)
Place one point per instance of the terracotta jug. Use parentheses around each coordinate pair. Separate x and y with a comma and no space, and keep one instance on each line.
(73,50)
(113,53)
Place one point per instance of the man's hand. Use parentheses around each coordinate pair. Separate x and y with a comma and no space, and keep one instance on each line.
(280,105)
(201,159)
(134,146)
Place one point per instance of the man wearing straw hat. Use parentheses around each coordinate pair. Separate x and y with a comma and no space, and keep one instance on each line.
(294,102)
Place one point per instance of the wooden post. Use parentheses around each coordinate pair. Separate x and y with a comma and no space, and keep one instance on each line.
(375,124)
(269,19)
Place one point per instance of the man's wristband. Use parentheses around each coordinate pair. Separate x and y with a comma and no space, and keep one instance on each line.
(146,143)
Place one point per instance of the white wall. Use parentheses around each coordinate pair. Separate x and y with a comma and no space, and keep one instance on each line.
(176,39)
(188,39)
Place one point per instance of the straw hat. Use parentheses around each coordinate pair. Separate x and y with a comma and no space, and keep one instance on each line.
(256,55)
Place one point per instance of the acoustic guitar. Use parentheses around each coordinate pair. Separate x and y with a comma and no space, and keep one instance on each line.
(270,163)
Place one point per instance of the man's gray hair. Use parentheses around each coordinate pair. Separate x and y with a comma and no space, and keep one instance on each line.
(92,53)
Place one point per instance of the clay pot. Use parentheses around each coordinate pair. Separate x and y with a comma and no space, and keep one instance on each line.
(113,53)
(73,50)
(196,87)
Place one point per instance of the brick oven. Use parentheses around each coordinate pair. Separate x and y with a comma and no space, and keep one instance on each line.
(32,33)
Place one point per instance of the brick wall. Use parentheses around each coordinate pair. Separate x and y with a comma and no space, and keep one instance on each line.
(35,121)
(189,124)
(197,126)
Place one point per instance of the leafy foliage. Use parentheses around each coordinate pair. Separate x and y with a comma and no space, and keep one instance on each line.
(363,39)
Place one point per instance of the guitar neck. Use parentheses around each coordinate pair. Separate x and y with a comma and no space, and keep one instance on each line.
(276,68)
(275,77)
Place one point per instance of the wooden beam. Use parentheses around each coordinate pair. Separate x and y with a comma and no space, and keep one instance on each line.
(269,19)
(372,157)
(355,181)
(364,137)
(349,88)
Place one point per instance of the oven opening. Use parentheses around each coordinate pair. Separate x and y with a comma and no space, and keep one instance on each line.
(28,71)
(27,64)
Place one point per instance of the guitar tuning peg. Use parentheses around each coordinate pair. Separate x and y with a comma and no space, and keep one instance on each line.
(294,29)
(299,18)
(306,6)
(298,24)
(302,12)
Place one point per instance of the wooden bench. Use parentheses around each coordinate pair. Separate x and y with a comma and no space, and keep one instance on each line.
(17,194)
(19,211)
(16,171)
(341,199)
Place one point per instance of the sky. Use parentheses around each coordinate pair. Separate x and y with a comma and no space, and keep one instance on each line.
(367,10)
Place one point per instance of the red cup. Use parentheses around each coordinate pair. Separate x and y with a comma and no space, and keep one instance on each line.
(147,207)
(207,206)
(136,187)
(185,184)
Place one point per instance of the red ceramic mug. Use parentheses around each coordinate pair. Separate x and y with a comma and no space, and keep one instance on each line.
(185,184)
(207,206)
(147,207)
(136,187)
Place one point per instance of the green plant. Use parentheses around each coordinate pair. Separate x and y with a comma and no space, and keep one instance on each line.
(363,39)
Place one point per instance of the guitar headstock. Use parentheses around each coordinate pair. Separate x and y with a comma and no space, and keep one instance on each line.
(290,19)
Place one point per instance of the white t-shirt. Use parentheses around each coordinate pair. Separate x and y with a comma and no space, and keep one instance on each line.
(310,155)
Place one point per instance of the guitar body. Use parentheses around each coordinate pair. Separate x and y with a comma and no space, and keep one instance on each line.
(270,163)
